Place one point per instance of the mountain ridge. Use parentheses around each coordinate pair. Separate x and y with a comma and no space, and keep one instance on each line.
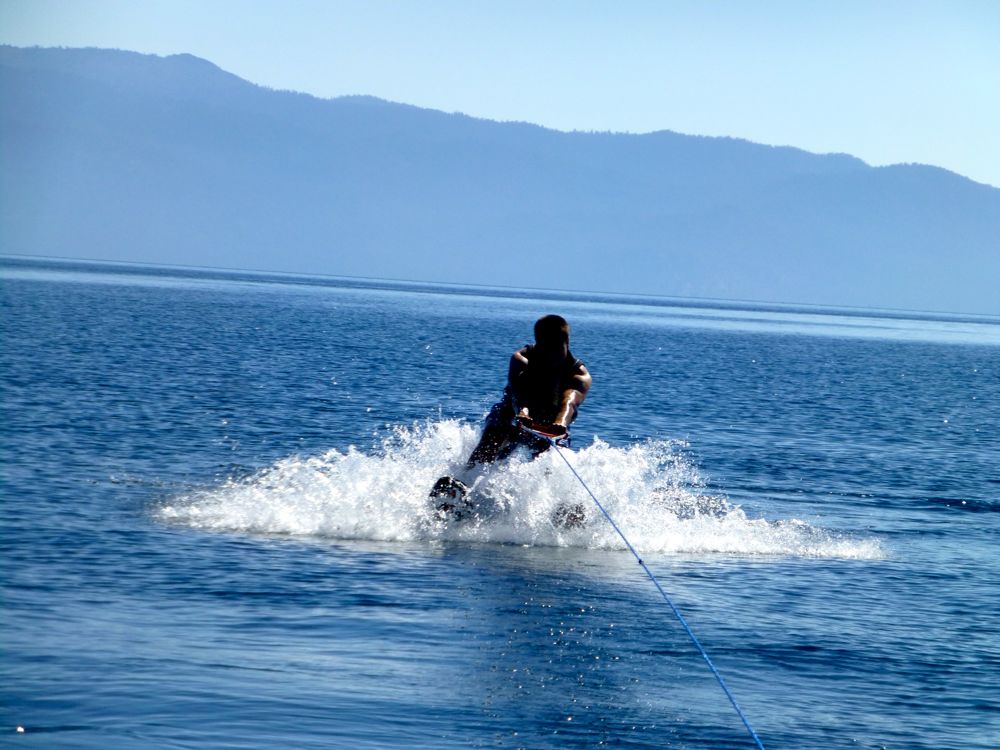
(172,158)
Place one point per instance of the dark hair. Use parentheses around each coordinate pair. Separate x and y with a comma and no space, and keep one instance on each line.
(551,328)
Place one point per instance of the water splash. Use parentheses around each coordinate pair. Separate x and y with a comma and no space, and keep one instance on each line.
(651,488)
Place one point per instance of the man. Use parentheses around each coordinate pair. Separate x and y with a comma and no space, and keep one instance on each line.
(545,386)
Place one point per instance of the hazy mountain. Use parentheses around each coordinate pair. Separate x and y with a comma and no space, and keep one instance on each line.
(121,156)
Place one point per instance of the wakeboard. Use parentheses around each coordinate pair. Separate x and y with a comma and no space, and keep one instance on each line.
(569,516)
(452,503)
(452,498)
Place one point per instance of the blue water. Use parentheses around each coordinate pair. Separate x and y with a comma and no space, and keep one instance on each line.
(216,534)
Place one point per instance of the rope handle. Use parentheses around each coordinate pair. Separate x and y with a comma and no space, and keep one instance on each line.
(552,433)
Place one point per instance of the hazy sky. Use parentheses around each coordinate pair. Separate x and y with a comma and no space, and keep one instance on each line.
(887,80)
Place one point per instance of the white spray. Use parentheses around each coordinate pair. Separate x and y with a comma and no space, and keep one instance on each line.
(651,489)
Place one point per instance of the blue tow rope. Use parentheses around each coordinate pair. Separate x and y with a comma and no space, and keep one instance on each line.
(663,593)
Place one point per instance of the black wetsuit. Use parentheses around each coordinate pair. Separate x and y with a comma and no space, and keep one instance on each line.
(539,389)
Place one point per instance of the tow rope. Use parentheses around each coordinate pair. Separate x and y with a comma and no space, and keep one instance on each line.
(551,440)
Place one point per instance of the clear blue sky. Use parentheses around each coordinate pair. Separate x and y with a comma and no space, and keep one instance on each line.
(887,80)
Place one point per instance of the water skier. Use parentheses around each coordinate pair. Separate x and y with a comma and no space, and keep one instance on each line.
(545,386)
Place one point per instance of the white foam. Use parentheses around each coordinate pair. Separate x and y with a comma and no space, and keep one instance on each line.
(651,489)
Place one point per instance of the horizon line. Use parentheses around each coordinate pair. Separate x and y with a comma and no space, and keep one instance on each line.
(704,302)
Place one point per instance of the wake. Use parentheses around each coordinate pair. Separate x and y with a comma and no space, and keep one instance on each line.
(651,489)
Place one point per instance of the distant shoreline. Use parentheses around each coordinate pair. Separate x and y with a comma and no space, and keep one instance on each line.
(507,292)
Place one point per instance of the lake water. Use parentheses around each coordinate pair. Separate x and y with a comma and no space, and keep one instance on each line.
(216,530)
